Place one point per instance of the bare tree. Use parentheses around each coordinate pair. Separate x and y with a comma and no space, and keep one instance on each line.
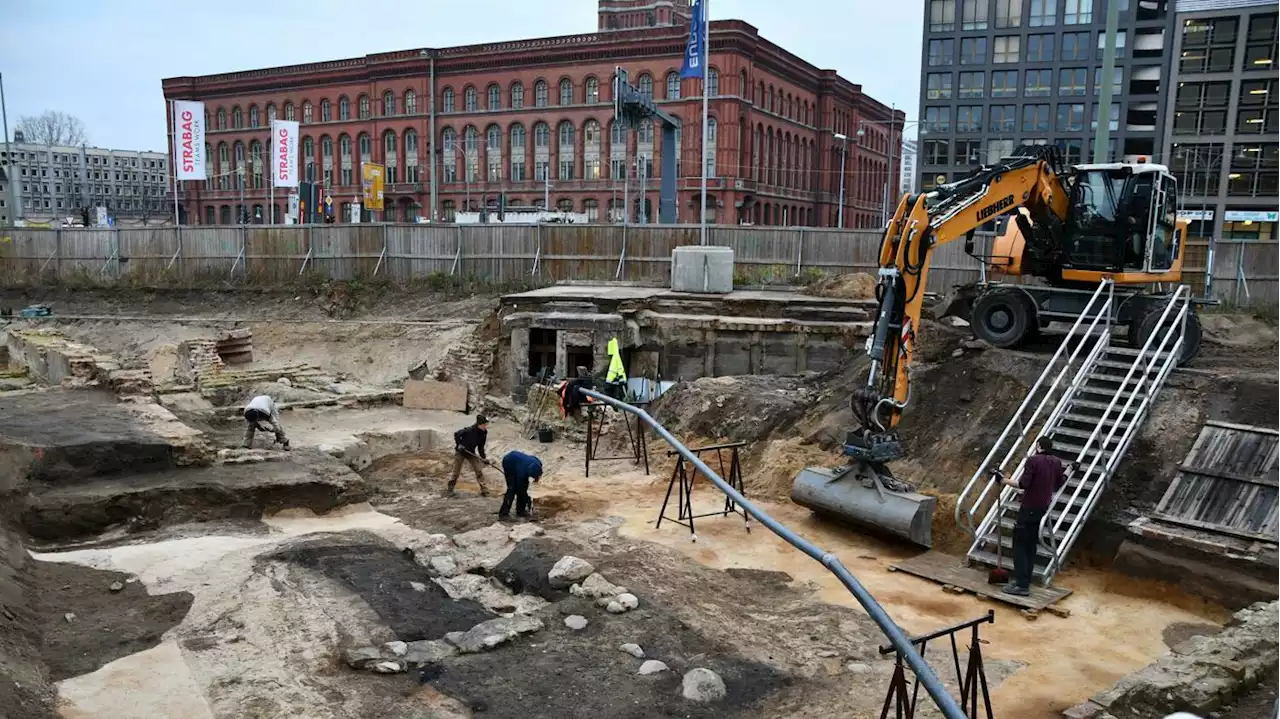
(52,127)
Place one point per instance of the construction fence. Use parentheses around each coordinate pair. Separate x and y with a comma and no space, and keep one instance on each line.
(1244,273)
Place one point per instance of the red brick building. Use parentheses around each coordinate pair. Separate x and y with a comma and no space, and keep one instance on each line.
(455,127)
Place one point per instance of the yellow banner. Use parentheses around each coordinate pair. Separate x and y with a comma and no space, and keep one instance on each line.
(372,175)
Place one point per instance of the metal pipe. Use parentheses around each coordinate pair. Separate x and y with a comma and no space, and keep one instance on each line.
(897,638)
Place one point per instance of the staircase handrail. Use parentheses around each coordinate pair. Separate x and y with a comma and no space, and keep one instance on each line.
(1164,333)
(965,518)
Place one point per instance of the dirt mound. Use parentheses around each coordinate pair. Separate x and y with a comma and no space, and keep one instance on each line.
(853,286)
(734,409)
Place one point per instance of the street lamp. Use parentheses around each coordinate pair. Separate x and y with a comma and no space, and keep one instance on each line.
(466,167)
(844,148)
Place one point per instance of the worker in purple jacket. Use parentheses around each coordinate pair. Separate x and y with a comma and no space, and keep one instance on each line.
(1041,477)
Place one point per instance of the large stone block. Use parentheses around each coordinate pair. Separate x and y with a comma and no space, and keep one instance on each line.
(702,269)
(430,394)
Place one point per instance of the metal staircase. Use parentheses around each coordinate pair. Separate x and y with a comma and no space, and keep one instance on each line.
(1091,399)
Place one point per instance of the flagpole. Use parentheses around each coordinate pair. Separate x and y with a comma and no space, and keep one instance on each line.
(173,158)
(271,192)
(706,63)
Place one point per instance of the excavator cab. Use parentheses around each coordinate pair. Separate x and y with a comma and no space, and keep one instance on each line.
(1122,219)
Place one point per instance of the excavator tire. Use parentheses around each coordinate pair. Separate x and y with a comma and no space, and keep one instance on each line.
(1004,317)
(1190,339)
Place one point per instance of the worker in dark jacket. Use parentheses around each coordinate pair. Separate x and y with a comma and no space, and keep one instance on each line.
(469,448)
(519,468)
(1041,477)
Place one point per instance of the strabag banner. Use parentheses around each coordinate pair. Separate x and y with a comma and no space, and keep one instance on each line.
(188,140)
(284,153)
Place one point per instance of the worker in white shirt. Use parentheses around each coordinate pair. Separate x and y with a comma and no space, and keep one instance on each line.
(259,410)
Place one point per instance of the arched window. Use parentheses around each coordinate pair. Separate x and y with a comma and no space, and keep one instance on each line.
(254,118)
(344,108)
(517,95)
(617,135)
(309,159)
(366,147)
(471,139)
(446,100)
(449,140)
(469,99)
(591,134)
(644,132)
(411,156)
(209,170)
(517,153)
(224,165)
(271,113)
(593,91)
(326,149)
(221,119)
(289,113)
(237,118)
(210,215)
(743,87)
(713,82)
(390,156)
(493,152)
(255,162)
(495,97)
(566,91)
(565,131)
(307,110)
(541,135)
(711,146)
(540,93)
(344,146)
(410,102)
(363,105)
(646,85)
(238,151)
(388,104)
(673,86)
(493,139)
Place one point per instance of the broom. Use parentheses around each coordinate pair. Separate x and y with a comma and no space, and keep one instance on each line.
(999,575)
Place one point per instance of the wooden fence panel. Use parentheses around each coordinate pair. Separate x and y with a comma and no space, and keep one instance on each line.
(273,255)
(27,256)
(1244,272)
(415,252)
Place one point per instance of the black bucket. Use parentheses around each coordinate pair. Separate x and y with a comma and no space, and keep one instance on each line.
(545,436)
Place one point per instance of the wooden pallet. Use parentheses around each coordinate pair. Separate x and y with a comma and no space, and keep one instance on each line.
(954,576)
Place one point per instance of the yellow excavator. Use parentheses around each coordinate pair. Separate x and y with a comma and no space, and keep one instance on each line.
(1070,227)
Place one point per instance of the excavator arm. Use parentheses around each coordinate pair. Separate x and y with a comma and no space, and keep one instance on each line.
(1033,180)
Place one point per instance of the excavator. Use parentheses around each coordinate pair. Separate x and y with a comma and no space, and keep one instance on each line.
(1068,228)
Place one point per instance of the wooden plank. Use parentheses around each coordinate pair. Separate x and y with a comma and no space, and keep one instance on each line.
(1211,527)
(1242,427)
(1271,481)
(947,570)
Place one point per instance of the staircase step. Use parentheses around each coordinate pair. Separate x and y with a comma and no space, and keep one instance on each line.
(1076,402)
(1086,433)
(1131,352)
(1006,543)
(1073,450)
(1094,420)
(1121,365)
(1110,392)
(989,558)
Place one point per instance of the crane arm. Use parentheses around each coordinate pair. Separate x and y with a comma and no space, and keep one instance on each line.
(1031,179)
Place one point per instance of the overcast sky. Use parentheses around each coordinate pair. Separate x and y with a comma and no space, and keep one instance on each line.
(102,60)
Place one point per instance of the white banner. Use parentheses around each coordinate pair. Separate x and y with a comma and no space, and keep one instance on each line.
(284,153)
(188,140)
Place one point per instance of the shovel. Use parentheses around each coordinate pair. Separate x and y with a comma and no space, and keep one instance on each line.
(999,575)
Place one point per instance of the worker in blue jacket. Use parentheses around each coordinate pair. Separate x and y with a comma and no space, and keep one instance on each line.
(519,468)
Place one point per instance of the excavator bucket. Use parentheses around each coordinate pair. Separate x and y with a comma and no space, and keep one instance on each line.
(958,304)
(857,495)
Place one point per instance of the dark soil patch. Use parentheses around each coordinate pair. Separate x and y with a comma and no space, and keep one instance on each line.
(381,575)
(26,690)
(766,576)
(567,674)
(524,571)
(1179,632)
(106,625)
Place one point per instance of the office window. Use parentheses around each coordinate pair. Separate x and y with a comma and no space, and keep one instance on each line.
(973,51)
(942,15)
(938,86)
(1039,48)
(998,149)
(1039,83)
(968,152)
(1077,12)
(1072,150)
(974,15)
(1008,13)
(969,118)
(1043,13)
(937,119)
(1253,170)
(972,84)
(1259,54)
(1072,81)
(1004,83)
(1007,49)
(1071,118)
(942,52)
(1114,115)
(936,152)
(1075,46)
(1258,92)
(1117,80)
(1121,38)
(1256,121)
(1003,118)
(1035,118)
(1201,108)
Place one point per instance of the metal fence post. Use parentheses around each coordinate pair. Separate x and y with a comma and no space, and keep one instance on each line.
(383,254)
(1241,282)
(622,258)
(537,253)
(799,250)
(1208,268)
(457,257)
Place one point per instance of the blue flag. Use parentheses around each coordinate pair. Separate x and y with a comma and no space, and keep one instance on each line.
(695,54)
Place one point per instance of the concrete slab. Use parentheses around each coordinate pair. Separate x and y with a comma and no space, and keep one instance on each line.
(149,684)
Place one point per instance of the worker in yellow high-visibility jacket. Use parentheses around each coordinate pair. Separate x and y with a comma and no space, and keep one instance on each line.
(616,379)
